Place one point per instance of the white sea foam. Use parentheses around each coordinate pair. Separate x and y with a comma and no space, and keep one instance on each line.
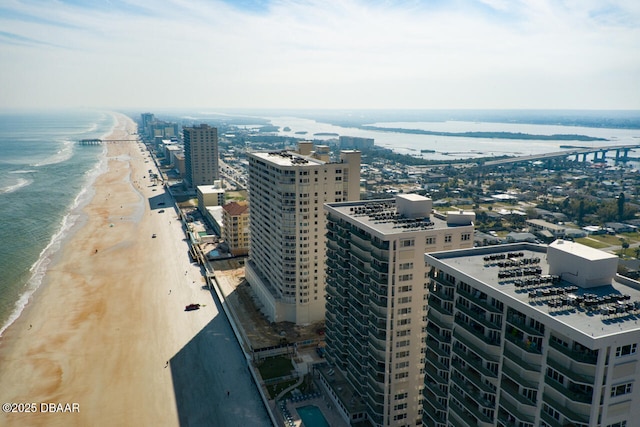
(24,171)
(69,221)
(20,183)
(62,155)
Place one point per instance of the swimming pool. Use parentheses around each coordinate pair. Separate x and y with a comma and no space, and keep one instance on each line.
(312,416)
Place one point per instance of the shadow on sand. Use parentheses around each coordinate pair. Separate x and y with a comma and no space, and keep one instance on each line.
(211,380)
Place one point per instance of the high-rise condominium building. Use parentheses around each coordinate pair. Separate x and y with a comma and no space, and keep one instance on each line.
(287,227)
(201,155)
(376,312)
(528,335)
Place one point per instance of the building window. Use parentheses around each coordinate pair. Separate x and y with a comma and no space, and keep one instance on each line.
(555,375)
(405,277)
(401,396)
(626,350)
(431,241)
(406,266)
(619,390)
(465,236)
(447,238)
(619,424)
(406,243)
(402,375)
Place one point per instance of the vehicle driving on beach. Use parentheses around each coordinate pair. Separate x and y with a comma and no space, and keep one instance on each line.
(192,307)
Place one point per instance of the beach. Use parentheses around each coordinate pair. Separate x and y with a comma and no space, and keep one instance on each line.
(97,343)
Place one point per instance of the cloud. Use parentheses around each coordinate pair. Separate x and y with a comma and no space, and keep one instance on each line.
(333,53)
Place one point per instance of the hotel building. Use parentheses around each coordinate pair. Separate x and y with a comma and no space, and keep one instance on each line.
(201,155)
(528,335)
(235,227)
(375,327)
(287,190)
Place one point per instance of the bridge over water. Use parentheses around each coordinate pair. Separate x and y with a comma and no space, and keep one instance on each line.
(96,141)
(599,154)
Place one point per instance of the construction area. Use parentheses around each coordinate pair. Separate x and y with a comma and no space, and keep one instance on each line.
(257,329)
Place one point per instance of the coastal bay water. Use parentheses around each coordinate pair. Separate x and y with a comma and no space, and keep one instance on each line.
(45,178)
(449,147)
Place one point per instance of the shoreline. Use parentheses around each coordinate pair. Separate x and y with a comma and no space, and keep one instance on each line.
(98,330)
(69,224)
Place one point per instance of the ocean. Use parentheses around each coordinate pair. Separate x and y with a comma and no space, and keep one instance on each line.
(45,179)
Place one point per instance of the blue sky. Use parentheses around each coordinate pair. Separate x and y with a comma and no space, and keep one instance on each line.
(576,54)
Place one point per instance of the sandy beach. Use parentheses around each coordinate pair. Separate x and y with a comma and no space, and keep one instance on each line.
(105,335)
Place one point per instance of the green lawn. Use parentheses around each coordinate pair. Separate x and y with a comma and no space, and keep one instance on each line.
(593,243)
(275,367)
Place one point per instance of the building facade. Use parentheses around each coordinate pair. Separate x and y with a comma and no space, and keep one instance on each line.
(235,227)
(201,155)
(287,229)
(375,327)
(529,335)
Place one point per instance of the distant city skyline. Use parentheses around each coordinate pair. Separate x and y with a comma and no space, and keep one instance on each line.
(321,54)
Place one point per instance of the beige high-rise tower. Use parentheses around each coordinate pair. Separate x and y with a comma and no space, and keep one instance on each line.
(287,191)
(201,155)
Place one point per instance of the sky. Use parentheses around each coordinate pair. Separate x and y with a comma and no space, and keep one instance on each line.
(389,54)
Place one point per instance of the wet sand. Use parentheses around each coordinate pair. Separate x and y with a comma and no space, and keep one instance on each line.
(100,333)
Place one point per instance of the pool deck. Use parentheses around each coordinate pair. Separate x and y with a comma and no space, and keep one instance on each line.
(322,403)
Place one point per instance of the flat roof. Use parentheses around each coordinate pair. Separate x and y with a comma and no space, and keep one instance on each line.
(382,216)
(484,265)
(288,158)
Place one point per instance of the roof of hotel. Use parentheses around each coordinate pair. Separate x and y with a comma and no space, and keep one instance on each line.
(594,312)
(382,216)
(235,208)
(288,158)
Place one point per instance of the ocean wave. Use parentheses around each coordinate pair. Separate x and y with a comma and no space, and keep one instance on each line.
(24,171)
(62,155)
(22,182)
(69,221)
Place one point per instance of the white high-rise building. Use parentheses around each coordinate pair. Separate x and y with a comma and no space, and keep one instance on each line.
(376,313)
(287,227)
(528,335)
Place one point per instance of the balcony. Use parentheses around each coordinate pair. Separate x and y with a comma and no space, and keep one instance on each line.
(475,362)
(571,374)
(432,333)
(478,331)
(518,340)
(476,300)
(522,364)
(566,412)
(474,378)
(474,417)
(570,392)
(436,304)
(515,413)
(442,281)
(478,316)
(584,356)
(432,391)
(517,378)
(480,351)
(434,377)
(431,408)
(440,291)
(513,391)
(520,323)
